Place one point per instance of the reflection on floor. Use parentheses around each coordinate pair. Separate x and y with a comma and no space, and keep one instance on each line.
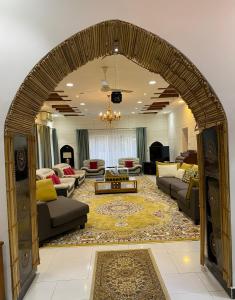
(66,273)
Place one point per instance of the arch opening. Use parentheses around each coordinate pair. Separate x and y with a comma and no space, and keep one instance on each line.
(150,52)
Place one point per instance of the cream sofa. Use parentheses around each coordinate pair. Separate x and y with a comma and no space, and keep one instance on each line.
(137,167)
(94,172)
(79,174)
(65,188)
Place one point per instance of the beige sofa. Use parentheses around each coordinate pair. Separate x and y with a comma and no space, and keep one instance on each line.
(65,188)
(137,167)
(79,174)
(94,172)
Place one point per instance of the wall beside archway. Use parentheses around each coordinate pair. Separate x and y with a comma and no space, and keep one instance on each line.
(200,30)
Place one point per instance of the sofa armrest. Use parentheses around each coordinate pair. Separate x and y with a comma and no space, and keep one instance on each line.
(44,220)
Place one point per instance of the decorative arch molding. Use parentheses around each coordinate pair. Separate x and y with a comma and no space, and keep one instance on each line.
(150,52)
(144,48)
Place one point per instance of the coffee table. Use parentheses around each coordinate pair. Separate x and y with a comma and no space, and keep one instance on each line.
(113,187)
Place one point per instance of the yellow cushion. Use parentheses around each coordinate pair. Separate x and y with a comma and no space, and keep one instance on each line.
(192,183)
(165,163)
(45,190)
(186,166)
(195,167)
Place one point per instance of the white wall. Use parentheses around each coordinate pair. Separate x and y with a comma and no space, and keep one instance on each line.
(202,30)
(180,117)
(157,128)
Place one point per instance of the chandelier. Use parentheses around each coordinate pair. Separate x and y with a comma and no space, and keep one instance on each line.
(109,116)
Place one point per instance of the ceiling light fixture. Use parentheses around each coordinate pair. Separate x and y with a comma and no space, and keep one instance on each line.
(152,82)
(133,112)
(145,94)
(77,96)
(136,108)
(181,101)
(109,116)
(82,103)
(139,102)
(69,84)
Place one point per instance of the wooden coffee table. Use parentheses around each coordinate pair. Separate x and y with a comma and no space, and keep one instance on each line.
(113,187)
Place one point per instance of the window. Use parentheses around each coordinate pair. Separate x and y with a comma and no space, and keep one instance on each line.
(112,144)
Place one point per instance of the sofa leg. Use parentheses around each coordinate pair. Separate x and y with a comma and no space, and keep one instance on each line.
(82,226)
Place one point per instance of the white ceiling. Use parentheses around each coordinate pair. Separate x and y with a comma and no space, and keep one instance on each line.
(122,73)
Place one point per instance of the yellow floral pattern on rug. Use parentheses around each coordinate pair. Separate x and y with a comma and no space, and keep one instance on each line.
(147,216)
(126,212)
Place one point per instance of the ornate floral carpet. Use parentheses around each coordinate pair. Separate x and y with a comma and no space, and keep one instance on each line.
(147,216)
(127,275)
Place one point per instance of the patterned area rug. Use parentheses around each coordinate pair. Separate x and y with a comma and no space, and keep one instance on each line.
(127,275)
(147,216)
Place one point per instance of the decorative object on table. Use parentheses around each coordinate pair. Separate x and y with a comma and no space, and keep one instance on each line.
(114,175)
(146,216)
(127,274)
(109,116)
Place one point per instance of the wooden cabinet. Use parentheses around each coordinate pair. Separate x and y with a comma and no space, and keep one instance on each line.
(2,287)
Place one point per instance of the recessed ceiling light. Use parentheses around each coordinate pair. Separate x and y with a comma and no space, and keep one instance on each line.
(181,101)
(152,82)
(136,108)
(145,94)
(82,103)
(133,112)
(69,84)
(77,96)
(166,112)
(139,102)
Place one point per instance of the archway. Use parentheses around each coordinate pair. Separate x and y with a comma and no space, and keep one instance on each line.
(150,52)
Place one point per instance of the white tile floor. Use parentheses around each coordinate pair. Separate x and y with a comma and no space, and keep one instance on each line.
(66,273)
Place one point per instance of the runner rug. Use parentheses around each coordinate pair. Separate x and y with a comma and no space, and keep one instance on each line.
(147,216)
(127,275)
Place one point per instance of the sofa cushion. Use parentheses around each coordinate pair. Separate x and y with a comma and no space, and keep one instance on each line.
(167,181)
(189,173)
(45,190)
(129,163)
(178,185)
(65,210)
(93,165)
(55,179)
(181,196)
(186,166)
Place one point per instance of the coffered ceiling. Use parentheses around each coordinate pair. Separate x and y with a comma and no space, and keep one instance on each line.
(84,96)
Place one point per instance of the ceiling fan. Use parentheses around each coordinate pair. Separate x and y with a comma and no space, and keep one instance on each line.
(105,86)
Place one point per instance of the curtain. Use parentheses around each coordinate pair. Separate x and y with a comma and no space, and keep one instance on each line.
(55,146)
(83,146)
(45,143)
(112,144)
(141,143)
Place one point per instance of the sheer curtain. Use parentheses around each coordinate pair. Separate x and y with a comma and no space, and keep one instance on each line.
(112,144)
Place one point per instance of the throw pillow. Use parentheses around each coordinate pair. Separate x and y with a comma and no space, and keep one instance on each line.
(189,173)
(66,171)
(186,166)
(159,163)
(72,171)
(192,183)
(167,170)
(180,173)
(45,190)
(55,179)
(93,165)
(129,163)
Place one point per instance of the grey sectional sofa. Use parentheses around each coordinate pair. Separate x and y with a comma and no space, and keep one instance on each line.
(177,189)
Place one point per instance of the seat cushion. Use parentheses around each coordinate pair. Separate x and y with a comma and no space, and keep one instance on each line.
(179,185)
(65,210)
(167,181)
